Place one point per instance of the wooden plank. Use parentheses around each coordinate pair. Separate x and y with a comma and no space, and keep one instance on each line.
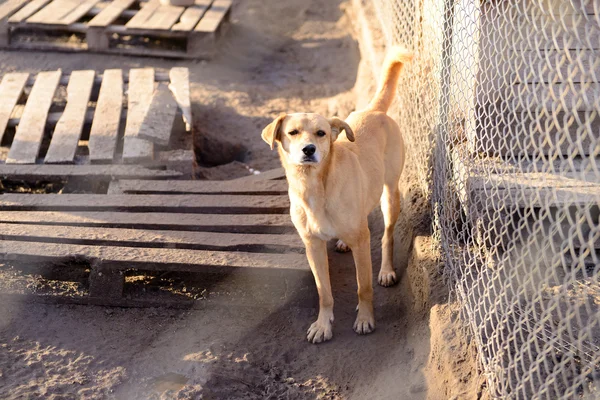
(158,122)
(53,12)
(25,12)
(141,88)
(79,11)
(272,174)
(150,238)
(212,19)
(110,13)
(151,259)
(164,17)
(11,89)
(180,86)
(554,97)
(202,187)
(28,138)
(8,7)
(190,17)
(214,204)
(246,223)
(70,125)
(56,172)
(105,127)
(141,17)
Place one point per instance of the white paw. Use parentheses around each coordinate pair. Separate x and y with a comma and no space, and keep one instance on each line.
(387,278)
(365,322)
(341,247)
(320,330)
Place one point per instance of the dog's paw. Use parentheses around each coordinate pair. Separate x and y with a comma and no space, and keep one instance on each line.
(341,247)
(320,331)
(365,322)
(387,279)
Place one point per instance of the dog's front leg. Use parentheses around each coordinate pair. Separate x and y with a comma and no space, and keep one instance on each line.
(316,252)
(361,250)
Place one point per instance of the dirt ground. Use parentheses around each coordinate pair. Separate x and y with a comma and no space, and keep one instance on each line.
(278,56)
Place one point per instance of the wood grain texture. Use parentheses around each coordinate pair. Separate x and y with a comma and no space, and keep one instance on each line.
(68,130)
(214,16)
(28,138)
(11,88)
(141,88)
(180,86)
(202,187)
(189,19)
(55,172)
(110,13)
(158,121)
(107,118)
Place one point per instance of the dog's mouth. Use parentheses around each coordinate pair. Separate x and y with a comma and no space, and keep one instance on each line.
(308,160)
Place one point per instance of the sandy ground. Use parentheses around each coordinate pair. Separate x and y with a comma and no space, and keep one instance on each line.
(278,56)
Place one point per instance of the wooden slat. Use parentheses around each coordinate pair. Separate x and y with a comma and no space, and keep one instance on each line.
(148,238)
(180,86)
(555,97)
(79,11)
(11,89)
(141,17)
(158,122)
(272,174)
(28,138)
(150,259)
(214,16)
(53,12)
(257,223)
(70,125)
(54,172)
(8,7)
(105,127)
(190,17)
(110,13)
(224,204)
(164,17)
(141,88)
(202,187)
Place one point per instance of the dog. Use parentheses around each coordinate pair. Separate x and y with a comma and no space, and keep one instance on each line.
(336,180)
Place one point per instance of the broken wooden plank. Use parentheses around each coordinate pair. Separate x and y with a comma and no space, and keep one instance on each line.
(28,138)
(164,17)
(79,11)
(241,223)
(143,15)
(213,18)
(53,12)
(140,90)
(215,204)
(190,17)
(149,238)
(70,125)
(11,89)
(105,127)
(57,172)
(110,13)
(180,86)
(26,11)
(202,187)
(151,259)
(158,121)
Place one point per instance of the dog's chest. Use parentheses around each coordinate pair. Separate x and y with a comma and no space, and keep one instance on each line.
(311,216)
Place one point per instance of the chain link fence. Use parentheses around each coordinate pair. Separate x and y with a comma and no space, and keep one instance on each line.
(501,112)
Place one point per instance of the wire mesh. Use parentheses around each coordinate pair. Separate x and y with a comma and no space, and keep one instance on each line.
(501,112)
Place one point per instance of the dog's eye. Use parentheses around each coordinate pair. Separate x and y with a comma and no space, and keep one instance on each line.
(321,133)
(294,132)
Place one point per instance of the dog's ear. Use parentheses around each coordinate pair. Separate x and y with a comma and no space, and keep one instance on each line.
(271,133)
(338,125)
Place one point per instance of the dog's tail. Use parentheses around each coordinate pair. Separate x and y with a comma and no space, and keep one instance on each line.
(392,66)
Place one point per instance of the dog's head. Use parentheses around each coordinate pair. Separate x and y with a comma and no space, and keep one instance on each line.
(305,139)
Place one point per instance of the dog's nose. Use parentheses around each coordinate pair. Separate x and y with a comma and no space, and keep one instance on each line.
(309,150)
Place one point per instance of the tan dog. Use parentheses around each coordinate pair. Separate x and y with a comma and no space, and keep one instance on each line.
(335,181)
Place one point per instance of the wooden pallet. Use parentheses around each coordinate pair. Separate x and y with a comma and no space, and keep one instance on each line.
(191,226)
(58,125)
(132,27)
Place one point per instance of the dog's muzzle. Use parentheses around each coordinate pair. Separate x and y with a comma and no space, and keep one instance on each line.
(309,153)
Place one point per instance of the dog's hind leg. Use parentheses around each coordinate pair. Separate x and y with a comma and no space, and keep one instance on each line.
(390,207)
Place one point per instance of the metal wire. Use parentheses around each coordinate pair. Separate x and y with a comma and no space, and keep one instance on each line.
(501,111)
